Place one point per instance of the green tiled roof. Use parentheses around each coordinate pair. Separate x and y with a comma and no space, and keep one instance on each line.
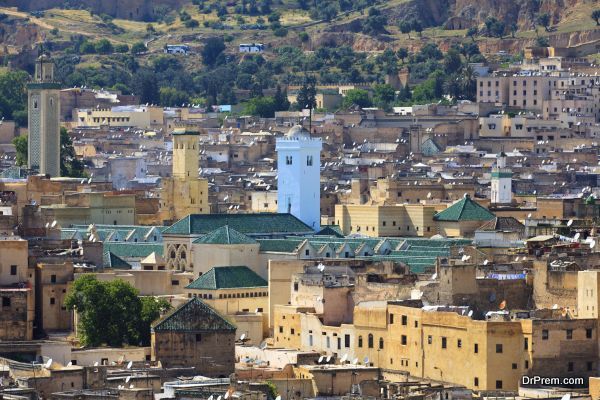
(258,224)
(228,278)
(279,245)
(330,230)
(193,316)
(465,210)
(110,260)
(225,235)
(133,250)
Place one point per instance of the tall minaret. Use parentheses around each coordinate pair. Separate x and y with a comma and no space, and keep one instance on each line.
(43,95)
(299,175)
(501,181)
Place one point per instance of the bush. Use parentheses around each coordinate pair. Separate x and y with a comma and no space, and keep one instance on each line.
(280,32)
(138,47)
(121,48)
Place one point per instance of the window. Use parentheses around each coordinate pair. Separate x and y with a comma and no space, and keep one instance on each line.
(370,340)
(526,364)
(476,348)
(346,341)
(588,333)
(526,344)
(443,342)
(545,334)
(391,319)
(310,340)
(514,366)
(328,340)
(307,252)
(52,278)
(498,384)
(476,381)
(403,340)
(380,343)
(498,348)
(295,286)
(459,343)
(198,337)
(293,331)
(429,339)
(309,161)
(13,269)
(52,301)
(569,334)
(360,341)
(6,302)
(281,329)
(404,320)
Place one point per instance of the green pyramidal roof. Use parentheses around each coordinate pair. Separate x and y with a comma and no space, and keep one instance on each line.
(464,210)
(225,235)
(193,316)
(228,278)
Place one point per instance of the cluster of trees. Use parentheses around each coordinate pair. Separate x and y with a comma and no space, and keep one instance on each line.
(70,165)
(112,313)
(13,96)
(407,27)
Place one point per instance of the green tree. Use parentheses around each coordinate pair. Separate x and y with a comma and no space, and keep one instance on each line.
(138,47)
(383,95)
(417,27)
(263,107)
(20,143)
(357,97)
(402,54)
(103,46)
(596,16)
(212,49)
(111,313)
(452,61)
(121,48)
(307,94)
(405,27)
(281,101)
(13,94)
(144,85)
(70,165)
(544,20)
(472,32)
(513,29)
(152,309)
(171,97)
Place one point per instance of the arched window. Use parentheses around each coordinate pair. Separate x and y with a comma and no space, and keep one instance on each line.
(360,344)
(381,343)
(370,340)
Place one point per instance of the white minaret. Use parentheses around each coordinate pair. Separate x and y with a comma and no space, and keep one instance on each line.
(299,175)
(501,181)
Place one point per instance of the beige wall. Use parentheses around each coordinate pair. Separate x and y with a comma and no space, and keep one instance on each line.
(13,252)
(207,256)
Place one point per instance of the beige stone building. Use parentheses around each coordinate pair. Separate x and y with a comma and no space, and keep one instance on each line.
(185,192)
(195,335)
(394,220)
(239,293)
(52,282)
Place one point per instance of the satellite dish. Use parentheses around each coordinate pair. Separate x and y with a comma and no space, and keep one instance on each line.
(278,398)
(344,358)
(470,314)
(48,363)
(321,359)
(592,244)
(243,337)
(328,359)
(127,379)
(47,225)
(529,215)
(131,386)
(434,277)
(570,222)
(53,224)
(226,395)
(355,361)
(576,237)
(129,364)
(210,397)
(219,398)
(366,360)
(263,345)
(321,267)
(96,364)
(485,262)
(70,364)
(555,307)
(566,397)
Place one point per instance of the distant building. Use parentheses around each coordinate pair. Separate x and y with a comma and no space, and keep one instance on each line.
(195,335)
(501,181)
(43,95)
(299,169)
(177,49)
(251,48)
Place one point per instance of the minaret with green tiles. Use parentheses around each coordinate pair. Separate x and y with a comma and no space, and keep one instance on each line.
(43,96)
(501,181)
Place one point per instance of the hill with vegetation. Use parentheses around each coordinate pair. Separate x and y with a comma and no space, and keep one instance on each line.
(98,44)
